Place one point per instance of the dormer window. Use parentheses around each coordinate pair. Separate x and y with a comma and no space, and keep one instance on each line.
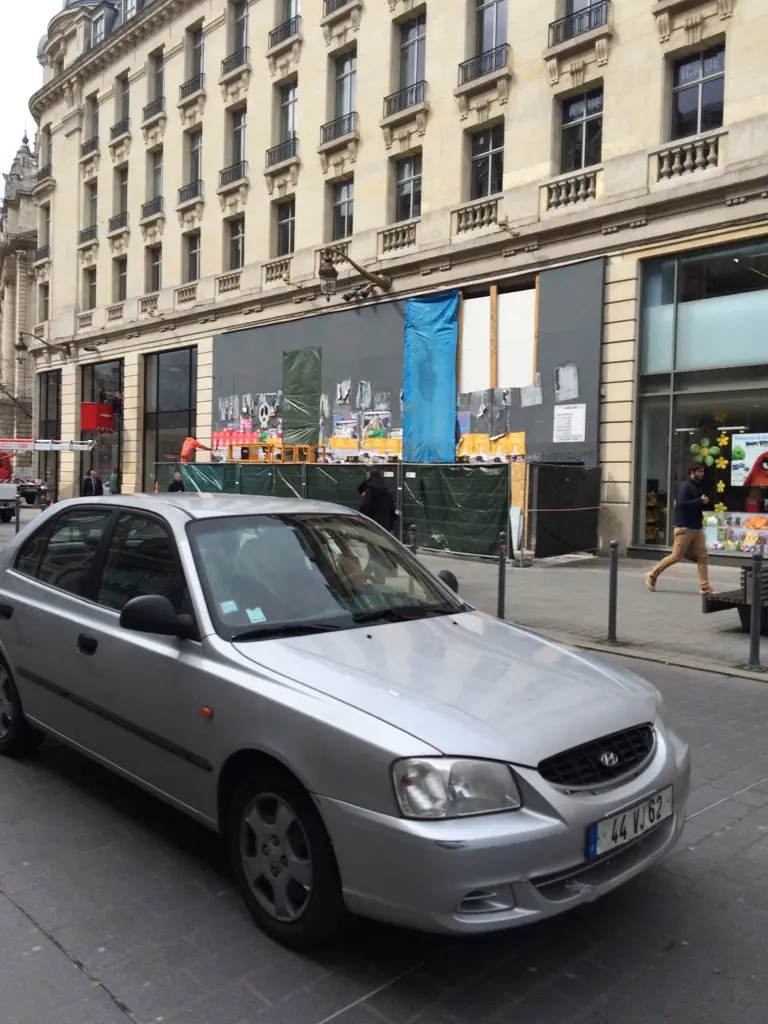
(129,9)
(97,30)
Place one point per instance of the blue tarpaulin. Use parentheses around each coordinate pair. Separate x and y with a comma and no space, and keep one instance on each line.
(429,378)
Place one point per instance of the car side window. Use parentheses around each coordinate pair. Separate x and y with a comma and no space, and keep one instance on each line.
(142,560)
(73,541)
(28,559)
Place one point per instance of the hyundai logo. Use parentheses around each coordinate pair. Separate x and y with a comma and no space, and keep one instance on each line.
(609,759)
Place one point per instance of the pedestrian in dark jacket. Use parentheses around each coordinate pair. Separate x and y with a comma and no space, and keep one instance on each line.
(689,534)
(177,484)
(377,502)
(92,485)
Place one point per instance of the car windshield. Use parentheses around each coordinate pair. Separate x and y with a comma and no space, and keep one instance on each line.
(289,575)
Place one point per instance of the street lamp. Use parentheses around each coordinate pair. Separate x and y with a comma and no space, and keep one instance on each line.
(328,273)
(21,345)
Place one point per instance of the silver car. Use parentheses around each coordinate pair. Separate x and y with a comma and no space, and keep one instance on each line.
(287,673)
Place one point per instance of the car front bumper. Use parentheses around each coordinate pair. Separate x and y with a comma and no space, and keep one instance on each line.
(498,871)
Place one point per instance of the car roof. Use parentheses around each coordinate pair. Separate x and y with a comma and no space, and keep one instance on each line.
(199,505)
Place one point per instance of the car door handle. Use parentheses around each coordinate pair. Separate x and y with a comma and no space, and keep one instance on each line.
(87,644)
(6,611)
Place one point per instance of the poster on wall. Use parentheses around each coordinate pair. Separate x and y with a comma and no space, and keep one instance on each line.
(570,424)
(749,460)
(345,425)
(376,425)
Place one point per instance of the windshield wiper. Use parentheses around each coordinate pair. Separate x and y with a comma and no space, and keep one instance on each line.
(286,629)
(403,613)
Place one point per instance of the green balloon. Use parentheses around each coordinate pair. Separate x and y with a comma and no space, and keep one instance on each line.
(705,442)
(695,449)
(714,450)
(698,458)
(709,461)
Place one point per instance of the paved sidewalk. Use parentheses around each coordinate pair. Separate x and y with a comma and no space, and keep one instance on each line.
(571,601)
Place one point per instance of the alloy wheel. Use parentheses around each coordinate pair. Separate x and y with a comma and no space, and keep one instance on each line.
(276,858)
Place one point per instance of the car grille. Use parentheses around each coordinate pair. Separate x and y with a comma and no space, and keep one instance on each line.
(600,762)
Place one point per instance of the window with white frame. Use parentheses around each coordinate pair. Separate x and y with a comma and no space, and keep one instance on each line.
(154,257)
(240,22)
(408,187)
(487,162)
(129,9)
(156,173)
(192,256)
(98,28)
(413,49)
(289,105)
(238,135)
(285,216)
(342,209)
(120,279)
(236,231)
(490,25)
(346,83)
(581,141)
(698,93)
(89,288)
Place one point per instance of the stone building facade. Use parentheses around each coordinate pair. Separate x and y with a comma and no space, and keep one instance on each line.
(18,313)
(198,155)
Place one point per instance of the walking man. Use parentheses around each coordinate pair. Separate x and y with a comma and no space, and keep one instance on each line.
(689,535)
(376,500)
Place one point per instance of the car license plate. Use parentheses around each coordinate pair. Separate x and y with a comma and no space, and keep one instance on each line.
(611,833)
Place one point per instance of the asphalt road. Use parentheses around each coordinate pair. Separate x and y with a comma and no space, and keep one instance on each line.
(114,908)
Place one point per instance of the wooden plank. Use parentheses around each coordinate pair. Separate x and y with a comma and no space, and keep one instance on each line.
(494,336)
(460,341)
(536,331)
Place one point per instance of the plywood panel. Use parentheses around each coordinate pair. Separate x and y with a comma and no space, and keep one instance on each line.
(517,332)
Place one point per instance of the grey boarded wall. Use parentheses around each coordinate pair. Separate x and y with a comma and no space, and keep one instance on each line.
(358,345)
(570,330)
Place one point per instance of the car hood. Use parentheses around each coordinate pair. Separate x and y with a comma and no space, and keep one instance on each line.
(466,684)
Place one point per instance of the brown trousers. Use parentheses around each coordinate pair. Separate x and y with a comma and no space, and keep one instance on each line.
(689,543)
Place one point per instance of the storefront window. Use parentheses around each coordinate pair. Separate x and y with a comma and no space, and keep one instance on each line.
(49,427)
(170,403)
(723,297)
(658,317)
(703,387)
(103,382)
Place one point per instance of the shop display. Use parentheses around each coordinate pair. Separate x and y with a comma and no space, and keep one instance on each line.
(735,531)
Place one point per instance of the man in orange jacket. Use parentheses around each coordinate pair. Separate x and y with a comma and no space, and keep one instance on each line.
(190,446)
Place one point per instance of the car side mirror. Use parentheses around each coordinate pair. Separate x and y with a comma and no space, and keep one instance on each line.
(153,613)
(449,580)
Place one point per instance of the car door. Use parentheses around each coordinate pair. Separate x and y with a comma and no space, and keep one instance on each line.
(139,697)
(45,610)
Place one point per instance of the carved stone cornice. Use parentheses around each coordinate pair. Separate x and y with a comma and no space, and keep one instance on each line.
(127,38)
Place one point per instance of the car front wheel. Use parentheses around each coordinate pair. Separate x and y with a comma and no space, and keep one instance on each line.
(17,736)
(284,862)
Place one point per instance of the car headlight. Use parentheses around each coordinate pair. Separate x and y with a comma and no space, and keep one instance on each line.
(452,787)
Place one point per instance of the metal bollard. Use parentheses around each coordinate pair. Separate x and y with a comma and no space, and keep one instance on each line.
(18,514)
(502,596)
(412,543)
(756,618)
(613,590)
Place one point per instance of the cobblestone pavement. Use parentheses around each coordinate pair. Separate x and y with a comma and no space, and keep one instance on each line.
(572,599)
(115,909)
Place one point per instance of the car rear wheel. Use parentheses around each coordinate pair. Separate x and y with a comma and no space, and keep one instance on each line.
(6,515)
(17,736)
(284,862)
(30,499)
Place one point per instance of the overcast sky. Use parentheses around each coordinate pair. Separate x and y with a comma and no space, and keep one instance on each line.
(22,22)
